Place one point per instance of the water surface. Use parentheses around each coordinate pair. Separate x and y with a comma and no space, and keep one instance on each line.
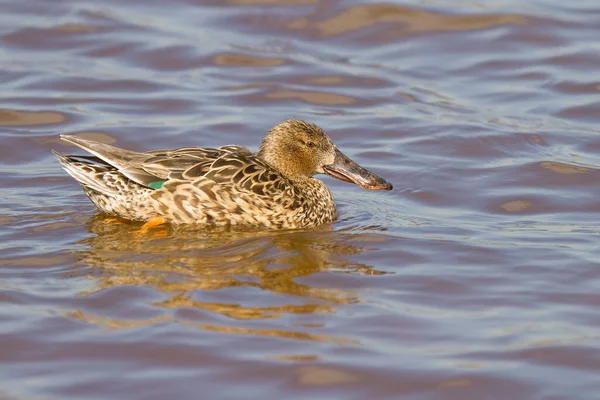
(476,277)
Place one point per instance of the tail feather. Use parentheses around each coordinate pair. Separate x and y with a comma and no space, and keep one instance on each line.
(86,173)
(119,158)
(127,162)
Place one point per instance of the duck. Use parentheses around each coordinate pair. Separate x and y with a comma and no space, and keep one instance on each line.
(274,188)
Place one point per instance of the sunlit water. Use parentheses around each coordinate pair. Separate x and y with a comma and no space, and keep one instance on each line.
(477,277)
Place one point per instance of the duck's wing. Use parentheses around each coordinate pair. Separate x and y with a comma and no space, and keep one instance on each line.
(239,170)
(125,161)
(172,164)
(154,168)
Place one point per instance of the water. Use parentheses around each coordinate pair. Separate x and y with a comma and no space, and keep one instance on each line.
(476,277)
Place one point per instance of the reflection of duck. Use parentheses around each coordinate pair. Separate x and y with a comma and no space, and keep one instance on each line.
(185,260)
(226,186)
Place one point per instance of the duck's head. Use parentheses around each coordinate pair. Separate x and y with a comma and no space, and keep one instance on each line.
(300,149)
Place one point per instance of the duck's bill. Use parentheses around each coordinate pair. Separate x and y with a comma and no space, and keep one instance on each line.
(347,170)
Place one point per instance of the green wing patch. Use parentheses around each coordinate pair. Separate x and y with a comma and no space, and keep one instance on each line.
(156,185)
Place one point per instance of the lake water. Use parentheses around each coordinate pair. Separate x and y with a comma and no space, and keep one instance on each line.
(477,277)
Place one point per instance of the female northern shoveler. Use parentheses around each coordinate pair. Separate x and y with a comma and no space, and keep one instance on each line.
(229,185)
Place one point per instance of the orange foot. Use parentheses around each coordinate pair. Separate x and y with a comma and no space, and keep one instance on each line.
(150,224)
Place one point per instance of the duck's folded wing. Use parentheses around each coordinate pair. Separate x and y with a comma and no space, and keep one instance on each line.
(124,161)
(172,164)
(152,169)
(242,172)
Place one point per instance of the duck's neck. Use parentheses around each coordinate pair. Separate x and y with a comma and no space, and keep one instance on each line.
(290,170)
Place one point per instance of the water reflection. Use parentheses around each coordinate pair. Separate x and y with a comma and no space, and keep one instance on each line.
(26,118)
(180,261)
(411,20)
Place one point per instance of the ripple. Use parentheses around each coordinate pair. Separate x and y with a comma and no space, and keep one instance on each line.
(62,37)
(412,20)
(516,205)
(28,118)
(312,97)
(169,58)
(587,113)
(267,2)
(296,335)
(243,60)
(325,376)
(565,169)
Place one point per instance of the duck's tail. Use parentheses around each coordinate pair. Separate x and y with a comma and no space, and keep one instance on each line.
(88,171)
(128,163)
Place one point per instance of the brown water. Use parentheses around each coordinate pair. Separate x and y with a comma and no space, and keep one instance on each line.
(478,277)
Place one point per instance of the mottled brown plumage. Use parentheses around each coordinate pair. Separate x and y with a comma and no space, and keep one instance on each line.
(228,185)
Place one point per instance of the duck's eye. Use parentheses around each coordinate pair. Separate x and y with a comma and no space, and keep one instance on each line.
(310,144)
